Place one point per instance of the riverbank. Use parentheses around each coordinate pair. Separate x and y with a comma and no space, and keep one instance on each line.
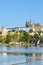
(20,44)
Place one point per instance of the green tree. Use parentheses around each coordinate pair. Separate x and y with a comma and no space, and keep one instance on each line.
(1,39)
(8,37)
(30,30)
(36,36)
(39,32)
(24,37)
(15,37)
(42,31)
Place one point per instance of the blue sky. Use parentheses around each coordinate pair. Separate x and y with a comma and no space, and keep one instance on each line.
(14,13)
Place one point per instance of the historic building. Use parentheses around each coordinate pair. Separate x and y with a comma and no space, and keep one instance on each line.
(4,32)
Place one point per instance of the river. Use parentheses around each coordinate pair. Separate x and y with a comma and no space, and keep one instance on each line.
(11,55)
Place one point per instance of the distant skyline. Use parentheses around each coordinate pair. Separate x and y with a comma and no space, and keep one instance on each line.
(15,13)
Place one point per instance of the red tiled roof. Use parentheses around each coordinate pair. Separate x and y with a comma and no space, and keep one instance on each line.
(37,27)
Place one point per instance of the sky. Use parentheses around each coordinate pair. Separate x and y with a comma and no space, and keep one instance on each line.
(15,13)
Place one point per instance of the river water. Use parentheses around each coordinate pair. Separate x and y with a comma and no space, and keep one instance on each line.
(10,55)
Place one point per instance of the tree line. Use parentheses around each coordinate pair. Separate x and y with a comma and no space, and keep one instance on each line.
(21,36)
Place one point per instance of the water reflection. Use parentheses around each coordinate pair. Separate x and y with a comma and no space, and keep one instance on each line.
(19,58)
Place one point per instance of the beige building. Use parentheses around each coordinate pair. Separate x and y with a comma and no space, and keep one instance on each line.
(4,32)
